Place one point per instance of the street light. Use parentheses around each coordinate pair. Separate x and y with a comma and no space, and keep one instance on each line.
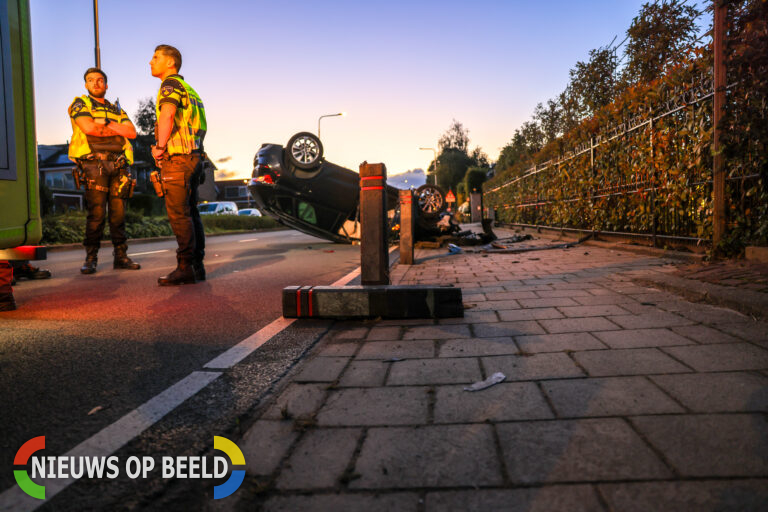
(434,151)
(96,49)
(327,115)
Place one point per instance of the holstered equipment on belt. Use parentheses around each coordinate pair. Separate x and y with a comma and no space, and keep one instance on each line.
(121,187)
(78,174)
(154,177)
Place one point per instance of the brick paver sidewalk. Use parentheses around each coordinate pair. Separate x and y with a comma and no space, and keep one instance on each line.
(617,397)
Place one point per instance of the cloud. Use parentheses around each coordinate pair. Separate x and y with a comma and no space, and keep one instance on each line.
(414,172)
(224,174)
(225,159)
(408,179)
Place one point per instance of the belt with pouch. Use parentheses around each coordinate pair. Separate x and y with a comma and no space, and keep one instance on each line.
(109,156)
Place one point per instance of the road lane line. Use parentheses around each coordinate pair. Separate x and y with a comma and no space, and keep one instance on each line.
(113,437)
(118,434)
(148,252)
(247,240)
(347,278)
(234,355)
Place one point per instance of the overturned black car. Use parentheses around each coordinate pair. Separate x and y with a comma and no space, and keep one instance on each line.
(297,186)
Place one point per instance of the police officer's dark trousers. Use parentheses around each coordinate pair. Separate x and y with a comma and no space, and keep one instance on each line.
(181,177)
(100,175)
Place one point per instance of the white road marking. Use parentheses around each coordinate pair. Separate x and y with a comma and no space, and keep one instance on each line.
(248,240)
(347,278)
(113,437)
(148,252)
(118,434)
(234,355)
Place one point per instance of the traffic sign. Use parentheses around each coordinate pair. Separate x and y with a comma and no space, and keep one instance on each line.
(449,197)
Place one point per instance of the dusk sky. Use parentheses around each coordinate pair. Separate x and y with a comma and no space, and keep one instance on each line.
(402,70)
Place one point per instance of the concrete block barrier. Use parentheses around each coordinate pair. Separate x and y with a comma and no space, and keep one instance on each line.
(385,301)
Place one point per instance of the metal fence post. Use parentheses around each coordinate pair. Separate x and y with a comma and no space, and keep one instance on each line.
(718,170)
(407,225)
(592,175)
(653,183)
(374,257)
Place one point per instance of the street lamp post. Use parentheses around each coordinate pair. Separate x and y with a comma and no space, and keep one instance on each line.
(96,49)
(327,115)
(434,152)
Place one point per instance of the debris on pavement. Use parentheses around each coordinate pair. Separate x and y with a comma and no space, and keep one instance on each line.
(490,381)
(454,249)
(494,247)
(393,360)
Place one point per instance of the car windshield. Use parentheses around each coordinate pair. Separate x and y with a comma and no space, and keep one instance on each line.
(209,207)
(244,212)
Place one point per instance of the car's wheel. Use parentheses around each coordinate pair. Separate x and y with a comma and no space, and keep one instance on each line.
(305,150)
(431,200)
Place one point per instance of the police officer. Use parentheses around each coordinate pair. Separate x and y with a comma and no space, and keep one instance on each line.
(178,151)
(100,147)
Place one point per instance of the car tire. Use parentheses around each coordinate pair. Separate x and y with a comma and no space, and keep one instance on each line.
(304,150)
(431,201)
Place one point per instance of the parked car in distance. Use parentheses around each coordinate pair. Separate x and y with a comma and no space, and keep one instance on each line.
(250,212)
(217,208)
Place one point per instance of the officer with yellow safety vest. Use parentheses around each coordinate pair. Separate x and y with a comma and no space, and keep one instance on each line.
(178,152)
(100,147)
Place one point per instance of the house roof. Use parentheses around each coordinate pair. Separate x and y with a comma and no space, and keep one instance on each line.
(53,155)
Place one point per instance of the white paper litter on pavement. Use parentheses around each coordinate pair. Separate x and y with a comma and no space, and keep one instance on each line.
(490,381)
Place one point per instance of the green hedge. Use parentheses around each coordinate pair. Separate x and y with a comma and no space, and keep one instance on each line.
(218,223)
(654,174)
(70,227)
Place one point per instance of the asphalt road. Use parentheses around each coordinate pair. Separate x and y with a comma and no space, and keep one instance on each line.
(83,351)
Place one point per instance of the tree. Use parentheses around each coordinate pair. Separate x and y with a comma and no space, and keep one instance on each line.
(569,114)
(520,148)
(455,137)
(145,127)
(452,166)
(455,158)
(593,83)
(550,119)
(479,158)
(657,36)
(474,179)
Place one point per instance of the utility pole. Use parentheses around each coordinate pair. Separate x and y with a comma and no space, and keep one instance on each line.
(718,167)
(97,50)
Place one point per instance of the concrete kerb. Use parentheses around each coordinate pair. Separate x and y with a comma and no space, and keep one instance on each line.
(744,301)
(273,393)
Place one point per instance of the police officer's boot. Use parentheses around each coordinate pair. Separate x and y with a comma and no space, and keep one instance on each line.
(27,271)
(183,274)
(89,267)
(7,302)
(199,270)
(122,260)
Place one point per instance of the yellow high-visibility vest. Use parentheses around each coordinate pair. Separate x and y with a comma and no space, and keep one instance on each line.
(189,124)
(83,144)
